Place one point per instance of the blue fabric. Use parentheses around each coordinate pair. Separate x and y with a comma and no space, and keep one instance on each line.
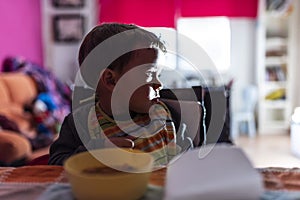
(48,100)
(57,191)
(280,195)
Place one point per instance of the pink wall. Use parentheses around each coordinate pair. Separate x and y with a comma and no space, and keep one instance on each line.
(164,12)
(20,20)
(140,12)
(229,8)
(20,29)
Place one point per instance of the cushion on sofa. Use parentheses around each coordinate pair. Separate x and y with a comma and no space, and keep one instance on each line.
(4,93)
(22,88)
(15,113)
(13,147)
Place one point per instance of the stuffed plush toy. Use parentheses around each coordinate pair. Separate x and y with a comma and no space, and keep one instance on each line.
(42,109)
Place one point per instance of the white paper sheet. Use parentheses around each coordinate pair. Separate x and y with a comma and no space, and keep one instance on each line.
(224,173)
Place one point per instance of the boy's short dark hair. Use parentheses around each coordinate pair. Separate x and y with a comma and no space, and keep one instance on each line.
(104,31)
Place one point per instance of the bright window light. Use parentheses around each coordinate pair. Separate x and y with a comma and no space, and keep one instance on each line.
(212,34)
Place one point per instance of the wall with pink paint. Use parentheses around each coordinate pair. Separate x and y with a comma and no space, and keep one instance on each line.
(164,13)
(20,30)
(20,20)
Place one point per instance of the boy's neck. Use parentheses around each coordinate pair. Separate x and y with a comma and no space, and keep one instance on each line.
(107,110)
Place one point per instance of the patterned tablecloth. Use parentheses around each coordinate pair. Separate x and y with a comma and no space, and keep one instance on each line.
(29,182)
(38,182)
(281,178)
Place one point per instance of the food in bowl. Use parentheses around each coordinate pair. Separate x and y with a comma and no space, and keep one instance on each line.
(107,170)
(99,173)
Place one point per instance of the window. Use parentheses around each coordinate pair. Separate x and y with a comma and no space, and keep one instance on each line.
(212,34)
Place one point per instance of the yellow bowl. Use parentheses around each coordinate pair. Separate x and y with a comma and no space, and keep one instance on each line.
(130,184)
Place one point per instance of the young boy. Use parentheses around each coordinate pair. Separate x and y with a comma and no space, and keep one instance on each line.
(126,111)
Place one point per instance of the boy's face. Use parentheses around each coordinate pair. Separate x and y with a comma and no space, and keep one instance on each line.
(143,73)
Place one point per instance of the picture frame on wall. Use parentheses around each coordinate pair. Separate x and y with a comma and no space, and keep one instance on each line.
(68,3)
(68,28)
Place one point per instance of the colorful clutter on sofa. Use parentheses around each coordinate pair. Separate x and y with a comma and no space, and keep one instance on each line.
(22,86)
(45,81)
(43,111)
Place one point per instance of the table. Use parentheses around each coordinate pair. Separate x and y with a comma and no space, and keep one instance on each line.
(287,179)
(30,182)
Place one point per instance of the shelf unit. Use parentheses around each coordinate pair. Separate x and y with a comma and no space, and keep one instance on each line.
(273,68)
(64,24)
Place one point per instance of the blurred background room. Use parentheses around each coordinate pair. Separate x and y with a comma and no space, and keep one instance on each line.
(254,45)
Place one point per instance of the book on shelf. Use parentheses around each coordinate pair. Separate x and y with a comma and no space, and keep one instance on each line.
(276,73)
(276,94)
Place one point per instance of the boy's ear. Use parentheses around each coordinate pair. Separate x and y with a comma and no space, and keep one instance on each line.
(108,79)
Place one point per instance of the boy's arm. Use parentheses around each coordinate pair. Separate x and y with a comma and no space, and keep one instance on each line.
(67,144)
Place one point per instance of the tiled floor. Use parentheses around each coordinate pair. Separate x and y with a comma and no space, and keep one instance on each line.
(269,150)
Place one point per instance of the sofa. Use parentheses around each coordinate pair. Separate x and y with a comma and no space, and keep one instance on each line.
(17,90)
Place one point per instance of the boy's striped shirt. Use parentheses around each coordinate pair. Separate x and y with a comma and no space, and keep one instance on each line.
(156,136)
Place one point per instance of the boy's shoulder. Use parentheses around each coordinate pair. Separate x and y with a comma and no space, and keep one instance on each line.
(83,110)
